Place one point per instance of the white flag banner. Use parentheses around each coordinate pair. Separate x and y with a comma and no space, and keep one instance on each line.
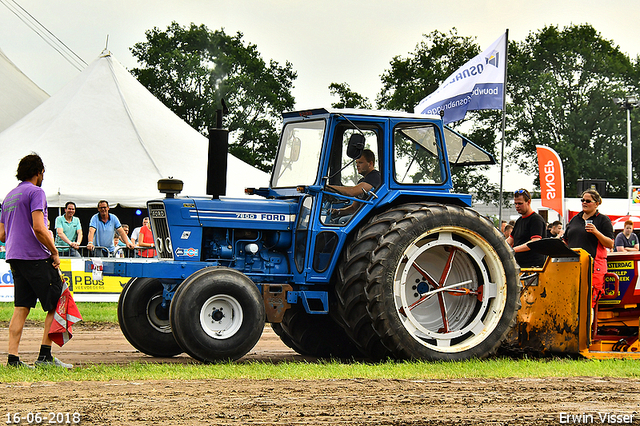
(478,84)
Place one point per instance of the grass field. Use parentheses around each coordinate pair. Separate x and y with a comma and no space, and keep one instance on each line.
(417,370)
(91,312)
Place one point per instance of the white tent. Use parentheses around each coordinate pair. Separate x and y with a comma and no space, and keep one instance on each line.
(105,136)
(18,94)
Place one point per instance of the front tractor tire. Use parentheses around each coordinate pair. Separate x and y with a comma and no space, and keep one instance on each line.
(442,284)
(143,320)
(217,314)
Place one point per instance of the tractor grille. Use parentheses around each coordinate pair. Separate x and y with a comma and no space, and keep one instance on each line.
(160,229)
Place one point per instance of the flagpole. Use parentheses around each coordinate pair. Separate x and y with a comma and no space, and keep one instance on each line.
(504,115)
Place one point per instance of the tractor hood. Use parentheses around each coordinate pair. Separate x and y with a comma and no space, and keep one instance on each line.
(241,213)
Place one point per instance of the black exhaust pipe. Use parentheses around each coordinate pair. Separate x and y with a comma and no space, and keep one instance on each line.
(217,159)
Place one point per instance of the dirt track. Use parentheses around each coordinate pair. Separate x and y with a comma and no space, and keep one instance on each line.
(306,402)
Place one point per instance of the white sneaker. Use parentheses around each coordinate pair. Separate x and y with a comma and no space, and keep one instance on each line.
(20,364)
(54,362)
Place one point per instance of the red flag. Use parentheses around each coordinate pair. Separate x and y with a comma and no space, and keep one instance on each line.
(551,179)
(65,316)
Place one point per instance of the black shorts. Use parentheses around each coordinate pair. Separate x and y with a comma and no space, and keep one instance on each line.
(35,279)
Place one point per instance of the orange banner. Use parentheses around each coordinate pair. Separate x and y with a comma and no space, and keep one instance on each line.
(551,179)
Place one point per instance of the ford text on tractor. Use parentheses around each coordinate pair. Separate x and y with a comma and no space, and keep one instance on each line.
(412,273)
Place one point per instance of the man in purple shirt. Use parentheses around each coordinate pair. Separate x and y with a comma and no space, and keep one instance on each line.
(33,257)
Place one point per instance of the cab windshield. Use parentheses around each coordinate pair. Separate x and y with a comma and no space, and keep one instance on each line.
(299,154)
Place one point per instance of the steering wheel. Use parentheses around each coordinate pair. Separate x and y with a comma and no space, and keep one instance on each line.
(330,202)
(328,188)
(325,209)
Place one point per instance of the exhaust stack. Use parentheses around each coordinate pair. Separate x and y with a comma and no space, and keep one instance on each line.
(217,158)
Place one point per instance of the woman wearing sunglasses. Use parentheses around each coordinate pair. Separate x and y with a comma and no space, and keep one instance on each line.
(592,232)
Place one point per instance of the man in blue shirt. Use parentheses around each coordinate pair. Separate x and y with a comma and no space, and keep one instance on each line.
(102,228)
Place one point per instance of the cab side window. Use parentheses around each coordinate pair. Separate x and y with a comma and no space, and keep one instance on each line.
(342,170)
(417,154)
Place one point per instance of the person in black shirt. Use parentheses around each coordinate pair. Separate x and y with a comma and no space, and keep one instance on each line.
(592,232)
(371,179)
(530,226)
(555,230)
(626,240)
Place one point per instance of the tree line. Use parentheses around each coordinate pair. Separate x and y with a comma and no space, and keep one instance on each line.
(560,89)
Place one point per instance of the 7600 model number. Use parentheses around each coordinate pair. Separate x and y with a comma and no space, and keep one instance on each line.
(272,217)
(46,418)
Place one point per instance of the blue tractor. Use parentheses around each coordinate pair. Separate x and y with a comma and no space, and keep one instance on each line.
(411,273)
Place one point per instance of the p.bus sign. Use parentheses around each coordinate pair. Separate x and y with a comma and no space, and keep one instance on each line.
(81,283)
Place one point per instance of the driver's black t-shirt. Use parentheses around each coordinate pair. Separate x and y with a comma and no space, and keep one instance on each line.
(373,178)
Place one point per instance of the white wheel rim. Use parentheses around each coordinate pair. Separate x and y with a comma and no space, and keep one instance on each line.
(161,325)
(435,310)
(221,316)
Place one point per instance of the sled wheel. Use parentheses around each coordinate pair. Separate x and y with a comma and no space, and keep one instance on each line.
(143,321)
(442,285)
(316,335)
(217,314)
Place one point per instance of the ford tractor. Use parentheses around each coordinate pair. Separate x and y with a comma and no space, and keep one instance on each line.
(411,273)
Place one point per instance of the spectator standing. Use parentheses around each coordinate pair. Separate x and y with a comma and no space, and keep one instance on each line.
(508,228)
(146,239)
(33,257)
(68,231)
(2,246)
(555,230)
(102,227)
(627,240)
(592,232)
(121,243)
(135,234)
(530,226)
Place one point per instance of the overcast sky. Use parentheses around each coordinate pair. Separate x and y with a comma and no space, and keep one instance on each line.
(326,41)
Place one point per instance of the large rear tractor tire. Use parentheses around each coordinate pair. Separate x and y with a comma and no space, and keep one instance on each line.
(316,335)
(443,285)
(352,281)
(217,314)
(286,339)
(143,321)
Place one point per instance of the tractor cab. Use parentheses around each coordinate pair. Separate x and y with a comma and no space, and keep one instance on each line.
(319,150)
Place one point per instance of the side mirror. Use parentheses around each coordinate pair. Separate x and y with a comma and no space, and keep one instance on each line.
(294,149)
(356,145)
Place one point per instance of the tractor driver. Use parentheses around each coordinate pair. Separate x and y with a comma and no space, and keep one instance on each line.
(371,179)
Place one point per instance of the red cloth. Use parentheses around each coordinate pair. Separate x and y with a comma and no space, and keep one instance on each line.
(597,278)
(65,316)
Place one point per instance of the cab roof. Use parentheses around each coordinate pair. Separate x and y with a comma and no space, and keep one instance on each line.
(352,111)
(460,149)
